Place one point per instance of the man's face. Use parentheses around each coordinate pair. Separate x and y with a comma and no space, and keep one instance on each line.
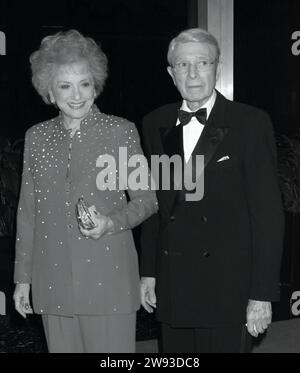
(195,86)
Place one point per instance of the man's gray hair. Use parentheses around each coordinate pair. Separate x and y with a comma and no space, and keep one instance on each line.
(196,35)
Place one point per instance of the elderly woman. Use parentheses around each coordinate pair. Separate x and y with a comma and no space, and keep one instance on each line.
(85,282)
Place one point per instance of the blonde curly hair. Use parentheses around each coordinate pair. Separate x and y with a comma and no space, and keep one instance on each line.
(65,48)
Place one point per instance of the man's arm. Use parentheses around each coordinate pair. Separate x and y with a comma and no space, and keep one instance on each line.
(148,239)
(267,223)
(265,209)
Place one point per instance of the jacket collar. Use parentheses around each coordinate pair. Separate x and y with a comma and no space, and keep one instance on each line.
(88,122)
(213,132)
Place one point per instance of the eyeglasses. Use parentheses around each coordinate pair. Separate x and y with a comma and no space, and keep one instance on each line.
(201,66)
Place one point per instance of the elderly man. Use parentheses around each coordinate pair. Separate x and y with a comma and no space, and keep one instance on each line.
(211,266)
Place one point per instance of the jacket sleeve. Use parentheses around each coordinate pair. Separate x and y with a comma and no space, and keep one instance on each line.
(265,209)
(25,220)
(150,228)
(143,202)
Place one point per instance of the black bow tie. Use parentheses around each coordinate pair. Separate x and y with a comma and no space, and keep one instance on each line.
(185,116)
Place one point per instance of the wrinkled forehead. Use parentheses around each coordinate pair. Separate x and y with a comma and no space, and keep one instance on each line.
(192,50)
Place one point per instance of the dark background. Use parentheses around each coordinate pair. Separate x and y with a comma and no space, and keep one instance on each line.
(267,74)
(135,35)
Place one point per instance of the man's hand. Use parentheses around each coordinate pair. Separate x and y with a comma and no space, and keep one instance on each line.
(21,298)
(103,225)
(259,316)
(148,297)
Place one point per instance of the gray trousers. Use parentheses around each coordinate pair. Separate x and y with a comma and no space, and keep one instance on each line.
(92,334)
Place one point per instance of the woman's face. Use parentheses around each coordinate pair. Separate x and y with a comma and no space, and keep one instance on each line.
(73,90)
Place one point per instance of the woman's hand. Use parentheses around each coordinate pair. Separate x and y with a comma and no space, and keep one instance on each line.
(103,223)
(21,298)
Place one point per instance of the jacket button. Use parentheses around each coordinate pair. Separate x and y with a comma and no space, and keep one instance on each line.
(204,219)
(206,254)
(172,218)
(166,252)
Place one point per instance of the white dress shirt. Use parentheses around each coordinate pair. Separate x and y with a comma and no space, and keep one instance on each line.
(192,131)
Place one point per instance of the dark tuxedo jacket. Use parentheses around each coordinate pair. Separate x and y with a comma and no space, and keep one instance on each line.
(210,256)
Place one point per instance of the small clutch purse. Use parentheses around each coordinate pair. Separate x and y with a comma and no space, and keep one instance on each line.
(83,214)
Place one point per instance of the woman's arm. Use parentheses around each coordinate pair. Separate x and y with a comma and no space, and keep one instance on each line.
(143,202)
(25,221)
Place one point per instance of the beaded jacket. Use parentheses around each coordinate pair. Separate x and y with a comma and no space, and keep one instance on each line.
(69,273)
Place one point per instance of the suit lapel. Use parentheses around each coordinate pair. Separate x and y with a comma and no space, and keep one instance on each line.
(172,141)
(212,135)
(171,135)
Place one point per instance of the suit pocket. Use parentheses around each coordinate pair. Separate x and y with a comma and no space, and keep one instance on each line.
(228,164)
(225,164)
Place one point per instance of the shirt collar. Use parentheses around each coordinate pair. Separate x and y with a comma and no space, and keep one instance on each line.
(208,105)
